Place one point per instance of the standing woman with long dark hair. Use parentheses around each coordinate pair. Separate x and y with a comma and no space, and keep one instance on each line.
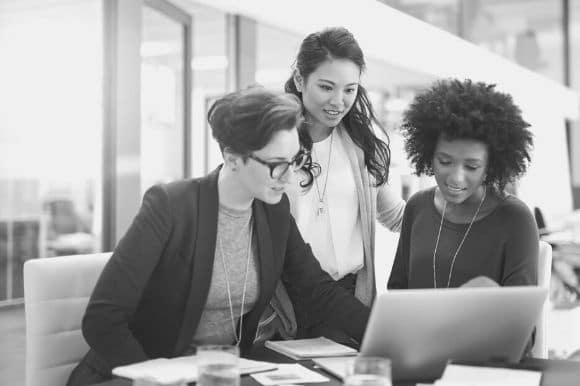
(337,215)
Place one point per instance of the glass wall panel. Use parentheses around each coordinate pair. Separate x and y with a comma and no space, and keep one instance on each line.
(276,51)
(50,132)
(575,44)
(212,77)
(444,14)
(574,66)
(211,65)
(526,32)
(162,88)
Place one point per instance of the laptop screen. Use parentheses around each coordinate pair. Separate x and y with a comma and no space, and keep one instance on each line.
(420,330)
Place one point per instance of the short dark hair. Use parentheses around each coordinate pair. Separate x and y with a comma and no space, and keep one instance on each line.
(469,110)
(245,121)
(339,43)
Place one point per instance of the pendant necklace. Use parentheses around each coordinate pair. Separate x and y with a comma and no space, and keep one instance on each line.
(321,207)
(237,338)
(460,244)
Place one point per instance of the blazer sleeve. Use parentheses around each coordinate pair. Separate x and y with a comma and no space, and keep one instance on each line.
(123,280)
(390,208)
(522,247)
(325,300)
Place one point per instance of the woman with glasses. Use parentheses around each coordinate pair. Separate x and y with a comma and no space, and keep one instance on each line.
(338,213)
(202,258)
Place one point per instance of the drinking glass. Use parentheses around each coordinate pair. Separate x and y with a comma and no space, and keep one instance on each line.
(368,371)
(218,365)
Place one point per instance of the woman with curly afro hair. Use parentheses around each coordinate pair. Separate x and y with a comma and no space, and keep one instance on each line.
(473,140)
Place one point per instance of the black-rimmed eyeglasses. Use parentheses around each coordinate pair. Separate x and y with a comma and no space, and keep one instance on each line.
(279,168)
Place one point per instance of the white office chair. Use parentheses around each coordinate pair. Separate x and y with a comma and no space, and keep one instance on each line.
(56,293)
(540,348)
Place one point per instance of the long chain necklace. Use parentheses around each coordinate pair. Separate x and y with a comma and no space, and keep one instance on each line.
(320,209)
(460,244)
(238,339)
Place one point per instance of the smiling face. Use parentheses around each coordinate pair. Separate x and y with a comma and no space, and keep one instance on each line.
(459,167)
(329,92)
(255,177)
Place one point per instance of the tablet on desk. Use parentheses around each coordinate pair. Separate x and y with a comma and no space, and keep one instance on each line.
(420,330)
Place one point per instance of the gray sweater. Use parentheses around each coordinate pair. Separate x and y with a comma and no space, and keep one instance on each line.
(233,238)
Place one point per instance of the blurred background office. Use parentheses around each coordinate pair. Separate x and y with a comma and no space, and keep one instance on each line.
(100,99)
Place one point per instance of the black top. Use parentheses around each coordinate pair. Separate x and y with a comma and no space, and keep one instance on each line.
(502,246)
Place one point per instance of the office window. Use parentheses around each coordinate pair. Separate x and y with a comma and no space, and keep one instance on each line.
(50,133)
(526,32)
(211,78)
(162,88)
(276,52)
(444,14)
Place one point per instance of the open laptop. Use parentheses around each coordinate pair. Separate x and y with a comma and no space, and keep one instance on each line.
(420,330)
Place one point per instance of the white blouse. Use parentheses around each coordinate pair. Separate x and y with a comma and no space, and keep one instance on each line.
(335,235)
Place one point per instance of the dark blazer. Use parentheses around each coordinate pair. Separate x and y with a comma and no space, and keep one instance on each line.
(149,298)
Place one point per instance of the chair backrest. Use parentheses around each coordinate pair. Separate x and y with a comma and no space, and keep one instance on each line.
(56,293)
(540,348)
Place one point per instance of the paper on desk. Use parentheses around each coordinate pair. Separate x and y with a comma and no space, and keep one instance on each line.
(180,369)
(335,365)
(289,373)
(310,348)
(462,375)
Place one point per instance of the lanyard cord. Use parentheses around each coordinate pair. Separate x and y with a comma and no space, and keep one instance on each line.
(320,208)
(460,244)
(238,339)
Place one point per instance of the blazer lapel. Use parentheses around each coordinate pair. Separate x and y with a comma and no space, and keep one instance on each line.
(265,253)
(362,183)
(365,289)
(202,259)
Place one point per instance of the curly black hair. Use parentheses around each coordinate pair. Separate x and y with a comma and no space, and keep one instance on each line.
(469,110)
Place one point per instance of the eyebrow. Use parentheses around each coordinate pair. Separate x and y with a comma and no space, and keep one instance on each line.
(334,84)
(450,156)
(282,158)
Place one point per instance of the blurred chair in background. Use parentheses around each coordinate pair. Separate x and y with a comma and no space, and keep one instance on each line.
(565,284)
(564,316)
(540,222)
(540,348)
(67,232)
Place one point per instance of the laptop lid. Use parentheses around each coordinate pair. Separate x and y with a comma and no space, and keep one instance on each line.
(421,329)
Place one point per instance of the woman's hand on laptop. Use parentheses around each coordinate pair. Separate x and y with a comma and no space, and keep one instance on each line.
(480,281)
